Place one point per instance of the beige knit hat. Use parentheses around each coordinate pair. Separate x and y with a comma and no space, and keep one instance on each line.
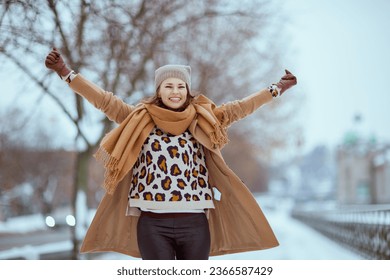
(182,72)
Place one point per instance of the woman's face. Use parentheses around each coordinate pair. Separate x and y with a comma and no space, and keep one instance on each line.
(173,93)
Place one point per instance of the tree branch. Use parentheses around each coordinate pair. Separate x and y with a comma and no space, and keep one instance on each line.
(47,91)
(57,21)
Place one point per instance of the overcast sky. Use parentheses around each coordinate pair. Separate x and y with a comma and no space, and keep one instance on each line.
(342,63)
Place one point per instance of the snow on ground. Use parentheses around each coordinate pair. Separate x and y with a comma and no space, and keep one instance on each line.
(297,241)
(29,252)
(23,224)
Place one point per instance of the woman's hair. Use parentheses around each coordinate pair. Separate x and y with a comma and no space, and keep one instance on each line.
(156,100)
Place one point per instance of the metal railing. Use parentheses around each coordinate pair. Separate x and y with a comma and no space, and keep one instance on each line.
(364,229)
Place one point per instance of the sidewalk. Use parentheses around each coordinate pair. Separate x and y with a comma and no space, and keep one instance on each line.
(297,241)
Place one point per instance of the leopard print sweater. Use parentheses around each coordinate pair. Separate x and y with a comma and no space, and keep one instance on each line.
(170,174)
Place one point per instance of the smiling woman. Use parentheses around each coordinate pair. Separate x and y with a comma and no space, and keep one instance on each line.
(172,83)
(163,166)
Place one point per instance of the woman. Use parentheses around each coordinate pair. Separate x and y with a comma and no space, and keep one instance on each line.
(169,193)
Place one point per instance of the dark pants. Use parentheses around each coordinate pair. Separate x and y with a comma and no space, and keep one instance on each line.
(182,236)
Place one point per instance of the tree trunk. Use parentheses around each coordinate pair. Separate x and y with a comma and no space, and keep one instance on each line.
(79,203)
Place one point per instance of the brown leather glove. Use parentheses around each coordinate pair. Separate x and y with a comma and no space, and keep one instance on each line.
(55,62)
(287,81)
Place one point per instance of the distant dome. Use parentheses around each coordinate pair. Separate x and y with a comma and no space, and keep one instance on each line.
(351,138)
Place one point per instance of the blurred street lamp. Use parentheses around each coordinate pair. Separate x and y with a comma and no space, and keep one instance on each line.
(50,222)
(71,220)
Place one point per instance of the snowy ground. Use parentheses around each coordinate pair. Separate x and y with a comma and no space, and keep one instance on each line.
(297,241)
(23,224)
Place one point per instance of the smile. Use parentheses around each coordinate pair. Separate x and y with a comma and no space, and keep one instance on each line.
(175,99)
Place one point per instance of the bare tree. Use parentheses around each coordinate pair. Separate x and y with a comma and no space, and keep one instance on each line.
(29,171)
(118,44)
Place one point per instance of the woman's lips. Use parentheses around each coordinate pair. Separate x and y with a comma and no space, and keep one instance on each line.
(175,99)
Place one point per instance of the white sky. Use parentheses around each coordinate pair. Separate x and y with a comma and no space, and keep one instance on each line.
(342,64)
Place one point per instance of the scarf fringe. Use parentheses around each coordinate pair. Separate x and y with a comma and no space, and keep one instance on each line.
(219,136)
(111,169)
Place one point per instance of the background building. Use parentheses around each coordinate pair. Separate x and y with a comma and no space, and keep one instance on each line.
(363,171)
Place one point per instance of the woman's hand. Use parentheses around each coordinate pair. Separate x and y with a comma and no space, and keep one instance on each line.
(286,82)
(55,62)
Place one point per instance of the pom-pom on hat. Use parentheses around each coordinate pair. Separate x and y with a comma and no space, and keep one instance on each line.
(182,72)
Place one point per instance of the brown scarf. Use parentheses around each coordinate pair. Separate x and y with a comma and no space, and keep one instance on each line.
(119,149)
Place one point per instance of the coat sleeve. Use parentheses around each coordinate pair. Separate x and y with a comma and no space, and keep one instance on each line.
(233,111)
(112,106)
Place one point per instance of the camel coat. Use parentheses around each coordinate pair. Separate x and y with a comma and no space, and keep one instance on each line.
(237,224)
